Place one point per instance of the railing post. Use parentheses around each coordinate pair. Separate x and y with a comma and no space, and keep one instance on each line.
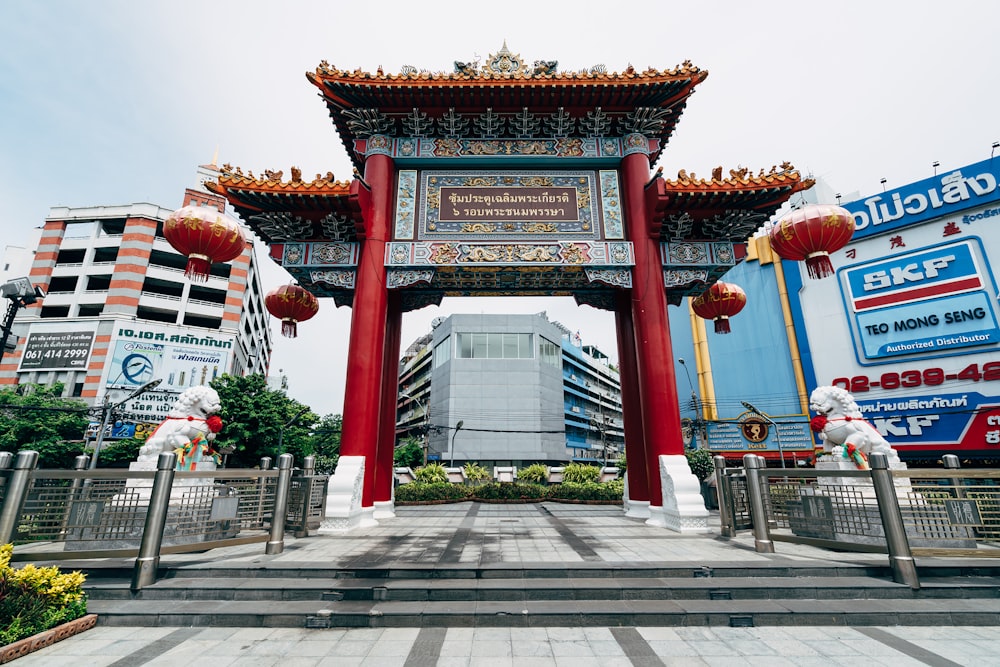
(726,521)
(144,572)
(6,460)
(951,462)
(276,540)
(755,492)
(265,464)
(80,463)
(16,492)
(309,466)
(904,569)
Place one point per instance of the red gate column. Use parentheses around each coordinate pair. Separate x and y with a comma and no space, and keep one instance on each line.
(363,388)
(635,447)
(671,505)
(384,467)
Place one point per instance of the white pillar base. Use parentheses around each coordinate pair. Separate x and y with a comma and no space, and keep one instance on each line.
(343,497)
(638,509)
(385,509)
(656,517)
(368,517)
(683,505)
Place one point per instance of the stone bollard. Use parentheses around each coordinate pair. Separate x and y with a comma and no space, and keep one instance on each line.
(144,571)
(904,569)
(755,491)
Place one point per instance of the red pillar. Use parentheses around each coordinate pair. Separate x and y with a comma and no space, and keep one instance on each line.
(363,387)
(384,468)
(661,417)
(635,446)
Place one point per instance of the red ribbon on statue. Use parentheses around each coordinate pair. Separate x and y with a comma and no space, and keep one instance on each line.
(818,423)
(214,423)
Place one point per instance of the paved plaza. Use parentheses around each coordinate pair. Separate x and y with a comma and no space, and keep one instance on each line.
(484,535)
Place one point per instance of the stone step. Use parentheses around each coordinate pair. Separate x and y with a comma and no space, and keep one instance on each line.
(538,588)
(547,613)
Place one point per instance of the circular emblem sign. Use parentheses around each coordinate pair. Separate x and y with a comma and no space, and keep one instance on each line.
(754,429)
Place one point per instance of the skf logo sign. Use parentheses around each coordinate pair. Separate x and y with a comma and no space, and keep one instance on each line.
(925,301)
(914,276)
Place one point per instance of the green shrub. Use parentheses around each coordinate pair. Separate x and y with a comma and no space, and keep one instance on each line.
(701,463)
(418,492)
(607,491)
(431,474)
(509,491)
(536,473)
(475,472)
(35,599)
(326,465)
(622,464)
(410,454)
(579,473)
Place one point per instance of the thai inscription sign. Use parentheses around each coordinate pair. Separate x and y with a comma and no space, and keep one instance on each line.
(487,205)
(492,204)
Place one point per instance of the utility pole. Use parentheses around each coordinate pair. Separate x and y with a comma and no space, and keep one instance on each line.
(108,409)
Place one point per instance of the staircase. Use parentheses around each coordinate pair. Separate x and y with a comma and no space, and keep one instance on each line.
(546,595)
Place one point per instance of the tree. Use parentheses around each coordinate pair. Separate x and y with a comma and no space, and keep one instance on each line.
(410,454)
(34,416)
(325,436)
(258,421)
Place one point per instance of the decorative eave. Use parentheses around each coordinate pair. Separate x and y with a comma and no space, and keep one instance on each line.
(720,208)
(295,210)
(585,103)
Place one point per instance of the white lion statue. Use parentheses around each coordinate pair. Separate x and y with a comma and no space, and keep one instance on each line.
(844,431)
(188,429)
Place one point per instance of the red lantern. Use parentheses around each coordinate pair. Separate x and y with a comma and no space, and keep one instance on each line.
(811,233)
(204,236)
(720,302)
(292,304)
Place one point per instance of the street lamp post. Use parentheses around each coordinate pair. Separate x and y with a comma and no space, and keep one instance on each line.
(22,294)
(777,434)
(458,427)
(108,409)
(696,423)
(281,431)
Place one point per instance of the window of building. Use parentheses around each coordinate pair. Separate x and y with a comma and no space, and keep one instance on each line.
(442,352)
(550,353)
(494,346)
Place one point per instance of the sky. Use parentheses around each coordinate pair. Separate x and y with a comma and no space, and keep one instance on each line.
(113,102)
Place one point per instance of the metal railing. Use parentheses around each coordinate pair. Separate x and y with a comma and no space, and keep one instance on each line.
(82,514)
(903,513)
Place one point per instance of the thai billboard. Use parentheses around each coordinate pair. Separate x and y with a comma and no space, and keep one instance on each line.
(56,350)
(910,325)
(179,358)
(945,195)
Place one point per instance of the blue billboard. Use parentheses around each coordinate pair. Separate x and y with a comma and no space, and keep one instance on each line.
(931,300)
(943,195)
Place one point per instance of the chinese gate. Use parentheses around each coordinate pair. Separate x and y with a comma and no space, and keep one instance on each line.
(509,178)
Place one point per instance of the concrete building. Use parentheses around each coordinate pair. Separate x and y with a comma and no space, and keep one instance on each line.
(119,313)
(509,390)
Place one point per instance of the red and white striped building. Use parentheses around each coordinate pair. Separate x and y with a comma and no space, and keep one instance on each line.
(118,311)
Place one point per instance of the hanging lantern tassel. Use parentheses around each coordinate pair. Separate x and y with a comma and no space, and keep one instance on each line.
(818,265)
(197,269)
(289,328)
(722,324)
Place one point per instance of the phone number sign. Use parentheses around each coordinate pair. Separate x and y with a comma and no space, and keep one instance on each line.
(57,351)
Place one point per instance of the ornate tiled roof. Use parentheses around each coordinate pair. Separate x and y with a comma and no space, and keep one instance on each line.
(729,208)
(278,210)
(506,98)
